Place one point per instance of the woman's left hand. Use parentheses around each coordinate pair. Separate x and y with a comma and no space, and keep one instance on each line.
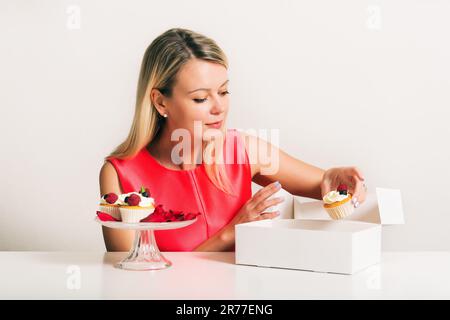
(350,176)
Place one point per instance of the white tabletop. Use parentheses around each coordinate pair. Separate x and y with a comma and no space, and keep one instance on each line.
(214,275)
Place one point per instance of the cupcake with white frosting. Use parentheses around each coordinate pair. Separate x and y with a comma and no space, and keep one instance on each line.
(338,203)
(135,206)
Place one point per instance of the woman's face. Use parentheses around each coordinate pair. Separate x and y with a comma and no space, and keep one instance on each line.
(200,96)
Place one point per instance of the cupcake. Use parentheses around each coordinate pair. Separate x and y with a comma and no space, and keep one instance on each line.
(136,206)
(338,203)
(109,204)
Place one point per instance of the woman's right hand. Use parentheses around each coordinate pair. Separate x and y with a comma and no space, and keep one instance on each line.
(254,209)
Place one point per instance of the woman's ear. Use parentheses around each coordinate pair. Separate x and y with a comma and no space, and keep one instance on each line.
(157,99)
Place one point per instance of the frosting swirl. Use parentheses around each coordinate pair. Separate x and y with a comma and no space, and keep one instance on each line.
(334,196)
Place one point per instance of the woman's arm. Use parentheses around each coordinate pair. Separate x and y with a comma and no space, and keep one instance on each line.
(115,239)
(269,163)
(221,241)
(296,177)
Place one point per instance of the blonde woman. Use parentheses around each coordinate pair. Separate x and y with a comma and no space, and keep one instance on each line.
(183,92)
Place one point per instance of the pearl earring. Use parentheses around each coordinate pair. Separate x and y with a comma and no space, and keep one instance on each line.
(165,115)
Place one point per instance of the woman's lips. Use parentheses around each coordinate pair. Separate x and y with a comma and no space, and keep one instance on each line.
(215,125)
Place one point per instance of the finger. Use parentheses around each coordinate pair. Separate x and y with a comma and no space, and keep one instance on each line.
(260,207)
(268,215)
(265,192)
(264,189)
(362,194)
(357,191)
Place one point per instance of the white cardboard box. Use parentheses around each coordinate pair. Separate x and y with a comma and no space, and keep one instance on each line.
(312,241)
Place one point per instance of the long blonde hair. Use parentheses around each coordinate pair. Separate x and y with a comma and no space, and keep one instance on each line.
(162,60)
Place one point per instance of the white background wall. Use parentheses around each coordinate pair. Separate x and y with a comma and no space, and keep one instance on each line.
(361,83)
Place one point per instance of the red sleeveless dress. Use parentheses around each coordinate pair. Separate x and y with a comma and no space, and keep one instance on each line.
(190,191)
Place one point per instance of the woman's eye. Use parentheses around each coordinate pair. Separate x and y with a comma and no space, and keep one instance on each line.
(203,100)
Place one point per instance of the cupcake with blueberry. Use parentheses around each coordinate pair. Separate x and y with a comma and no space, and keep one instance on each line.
(109,203)
(338,203)
(136,206)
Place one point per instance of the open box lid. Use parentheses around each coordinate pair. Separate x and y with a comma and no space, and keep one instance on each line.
(383,206)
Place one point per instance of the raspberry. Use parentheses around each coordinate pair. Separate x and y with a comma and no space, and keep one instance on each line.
(342,189)
(110,197)
(133,200)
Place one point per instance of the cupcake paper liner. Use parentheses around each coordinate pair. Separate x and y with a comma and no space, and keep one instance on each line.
(340,212)
(111,210)
(130,215)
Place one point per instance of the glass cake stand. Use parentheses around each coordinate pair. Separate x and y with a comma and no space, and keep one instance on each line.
(145,254)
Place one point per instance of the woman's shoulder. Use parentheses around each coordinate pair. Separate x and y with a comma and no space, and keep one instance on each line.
(107,168)
(109,179)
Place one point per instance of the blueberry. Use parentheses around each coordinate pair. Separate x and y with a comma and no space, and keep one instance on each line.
(343,192)
(145,194)
(126,199)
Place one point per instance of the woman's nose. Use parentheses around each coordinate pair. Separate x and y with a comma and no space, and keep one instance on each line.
(218,106)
